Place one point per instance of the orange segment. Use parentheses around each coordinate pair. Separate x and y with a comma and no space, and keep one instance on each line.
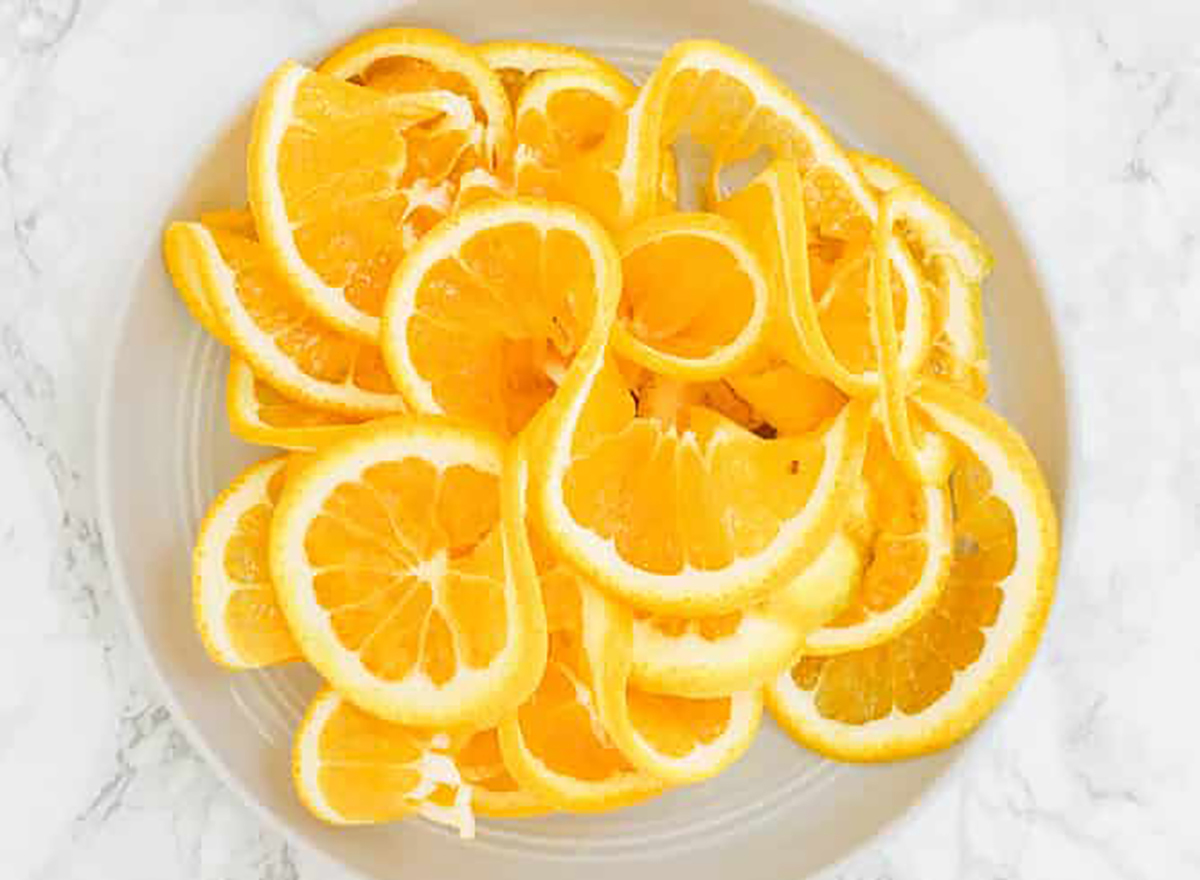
(273,331)
(351,768)
(695,302)
(233,596)
(934,682)
(394,575)
(496,308)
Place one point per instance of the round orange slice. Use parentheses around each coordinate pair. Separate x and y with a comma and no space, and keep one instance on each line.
(272,330)
(351,768)
(682,511)
(260,414)
(233,596)
(695,299)
(496,307)
(339,193)
(908,549)
(392,571)
(934,682)
(555,745)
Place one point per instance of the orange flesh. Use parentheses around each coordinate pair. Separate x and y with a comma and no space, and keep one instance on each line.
(573,124)
(410,568)
(898,551)
(367,765)
(480,763)
(790,400)
(300,335)
(910,672)
(559,722)
(353,168)
(254,621)
(845,314)
(277,411)
(667,498)
(685,295)
(675,726)
(495,326)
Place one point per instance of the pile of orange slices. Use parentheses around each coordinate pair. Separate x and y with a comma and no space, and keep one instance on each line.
(613,415)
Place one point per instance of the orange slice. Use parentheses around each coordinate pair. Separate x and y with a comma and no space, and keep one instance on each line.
(846,320)
(555,745)
(934,682)
(685,512)
(728,103)
(958,354)
(695,299)
(562,115)
(392,571)
(909,546)
(260,414)
(723,654)
(233,597)
(273,331)
(338,192)
(516,61)
(954,259)
(496,307)
(830,336)
(187,276)
(494,792)
(928,226)
(676,739)
(351,768)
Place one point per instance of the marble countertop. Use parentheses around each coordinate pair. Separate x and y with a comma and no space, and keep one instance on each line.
(1088,113)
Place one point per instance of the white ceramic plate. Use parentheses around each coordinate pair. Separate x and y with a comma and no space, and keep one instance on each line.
(165,451)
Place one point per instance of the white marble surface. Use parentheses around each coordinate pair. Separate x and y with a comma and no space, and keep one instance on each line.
(1089,115)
